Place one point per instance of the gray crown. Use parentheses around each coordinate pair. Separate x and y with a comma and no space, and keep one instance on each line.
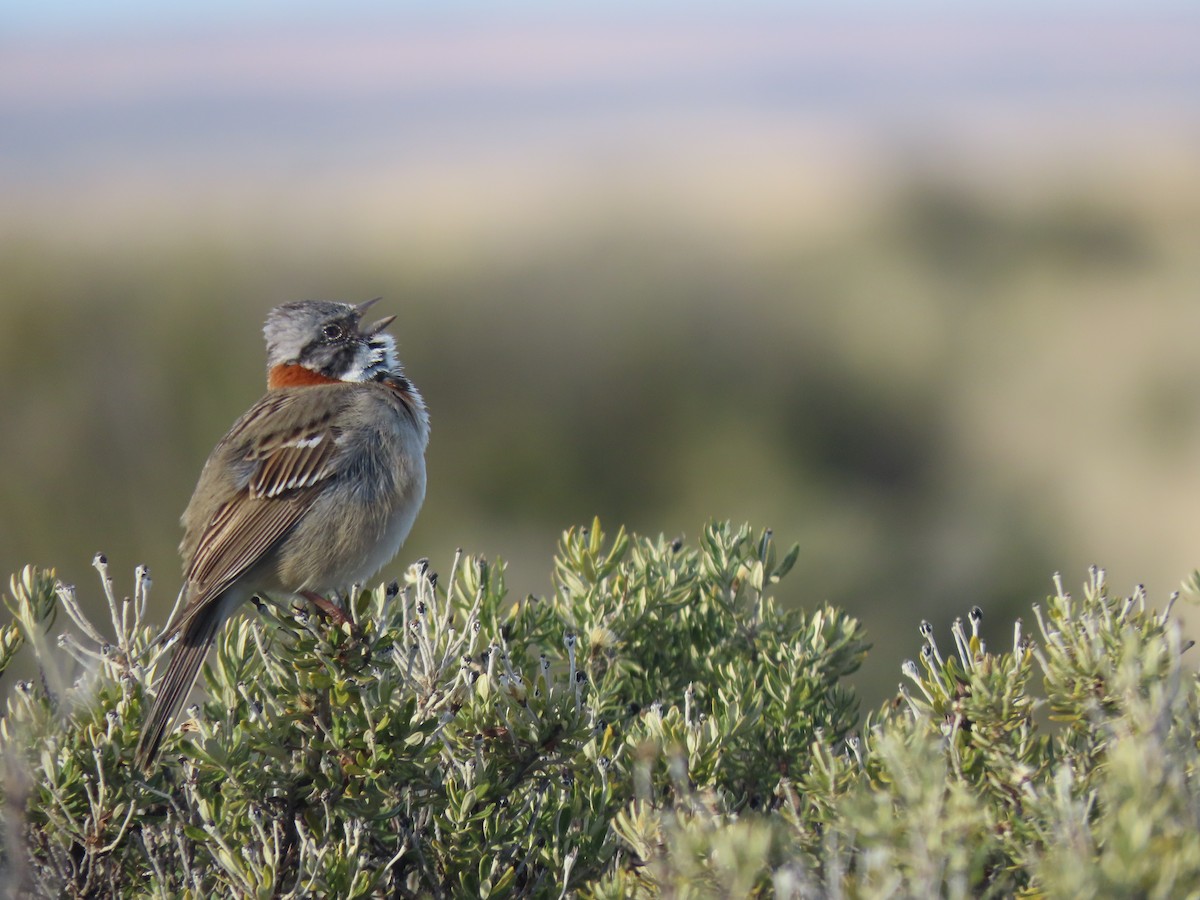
(292,328)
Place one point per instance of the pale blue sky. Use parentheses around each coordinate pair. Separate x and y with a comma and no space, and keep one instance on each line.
(181,85)
(21,17)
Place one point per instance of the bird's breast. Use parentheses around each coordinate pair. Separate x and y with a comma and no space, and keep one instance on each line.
(359,521)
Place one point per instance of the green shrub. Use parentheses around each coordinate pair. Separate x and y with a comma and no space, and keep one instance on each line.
(656,725)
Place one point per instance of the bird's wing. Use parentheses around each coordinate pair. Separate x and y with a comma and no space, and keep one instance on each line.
(282,451)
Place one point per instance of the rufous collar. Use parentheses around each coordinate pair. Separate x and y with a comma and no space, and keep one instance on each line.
(289,375)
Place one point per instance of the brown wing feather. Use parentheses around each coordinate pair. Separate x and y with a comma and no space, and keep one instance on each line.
(239,536)
(297,465)
(284,466)
(259,482)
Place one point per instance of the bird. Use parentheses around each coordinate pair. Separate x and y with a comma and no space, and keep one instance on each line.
(313,489)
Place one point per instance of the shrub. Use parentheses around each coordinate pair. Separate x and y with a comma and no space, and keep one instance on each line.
(657,725)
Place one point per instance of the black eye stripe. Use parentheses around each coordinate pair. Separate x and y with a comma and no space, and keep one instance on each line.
(327,349)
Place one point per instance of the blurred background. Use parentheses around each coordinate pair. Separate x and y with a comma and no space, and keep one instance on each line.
(913,285)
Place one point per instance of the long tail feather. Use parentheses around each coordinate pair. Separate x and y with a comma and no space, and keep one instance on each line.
(176,684)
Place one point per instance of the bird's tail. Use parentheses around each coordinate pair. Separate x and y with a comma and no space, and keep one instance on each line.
(198,635)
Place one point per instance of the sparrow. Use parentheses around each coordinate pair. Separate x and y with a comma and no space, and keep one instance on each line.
(312,490)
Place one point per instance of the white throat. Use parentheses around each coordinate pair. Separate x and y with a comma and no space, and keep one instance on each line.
(374,358)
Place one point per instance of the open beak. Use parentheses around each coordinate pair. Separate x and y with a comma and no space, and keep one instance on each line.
(378,326)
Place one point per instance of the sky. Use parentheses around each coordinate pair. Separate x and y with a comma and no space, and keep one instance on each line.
(20,18)
(101,92)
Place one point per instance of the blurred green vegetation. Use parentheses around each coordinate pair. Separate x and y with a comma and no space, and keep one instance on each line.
(935,392)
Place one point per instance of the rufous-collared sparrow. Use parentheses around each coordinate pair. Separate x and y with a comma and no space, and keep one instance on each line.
(311,491)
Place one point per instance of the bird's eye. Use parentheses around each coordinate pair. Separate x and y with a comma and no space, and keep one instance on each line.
(333,332)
